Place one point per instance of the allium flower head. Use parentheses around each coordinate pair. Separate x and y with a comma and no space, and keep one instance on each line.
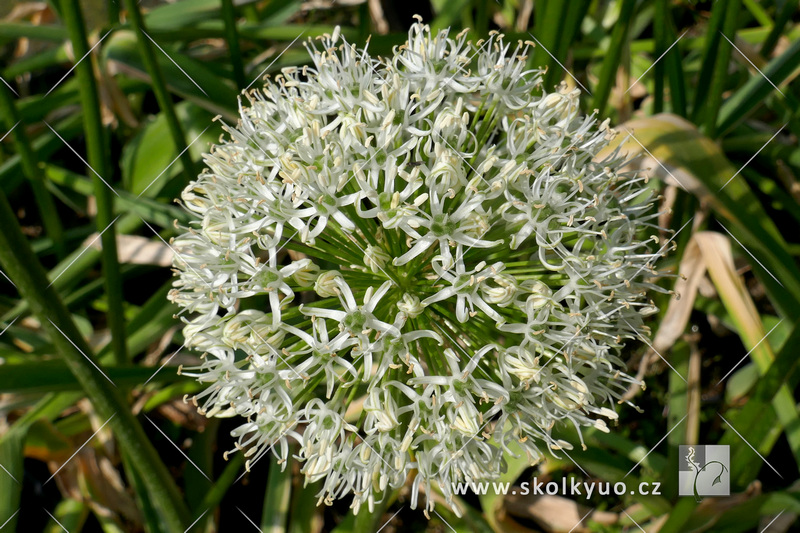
(429,234)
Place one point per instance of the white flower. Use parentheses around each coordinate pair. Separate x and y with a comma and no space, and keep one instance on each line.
(465,266)
(466,287)
(375,258)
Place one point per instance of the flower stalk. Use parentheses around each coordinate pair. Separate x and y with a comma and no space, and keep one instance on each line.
(22,266)
(100,170)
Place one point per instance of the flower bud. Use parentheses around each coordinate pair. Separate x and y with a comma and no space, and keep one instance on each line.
(326,286)
(376,258)
(410,305)
(307,274)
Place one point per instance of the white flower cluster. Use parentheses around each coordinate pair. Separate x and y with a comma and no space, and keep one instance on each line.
(468,271)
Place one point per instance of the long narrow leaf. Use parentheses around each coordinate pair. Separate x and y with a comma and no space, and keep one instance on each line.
(22,266)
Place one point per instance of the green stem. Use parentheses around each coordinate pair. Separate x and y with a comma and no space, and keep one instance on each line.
(22,145)
(222,484)
(547,27)
(783,16)
(160,87)
(232,36)
(97,153)
(660,37)
(720,78)
(672,61)
(27,273)
(611,62)
(113,12)
(277,497)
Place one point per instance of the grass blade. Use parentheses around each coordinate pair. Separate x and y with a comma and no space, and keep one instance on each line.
(707,174)
(608,71)
(547,26)
(784,15)
(98,159)
(738,302)
(232,37)
(44,201)
(148,57)
(783,372)
(277,497)
(712,103)
(22,266)
(53,375)
(672,60)
(711,45)
(753,93)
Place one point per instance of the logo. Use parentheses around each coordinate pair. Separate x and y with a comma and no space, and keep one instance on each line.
(704,471)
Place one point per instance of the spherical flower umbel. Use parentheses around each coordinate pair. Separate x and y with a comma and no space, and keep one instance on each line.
(431,237)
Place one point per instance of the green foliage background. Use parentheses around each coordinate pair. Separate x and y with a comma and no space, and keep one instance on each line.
(106,108)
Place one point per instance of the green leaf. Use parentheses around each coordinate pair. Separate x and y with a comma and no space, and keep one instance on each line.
(608,72)
(758,414)
(698,164)
(181,14)
(277,497)
(447,13)
(150,210)
(186,77)
(11,454)
(722,56)
(147,160)
(10,31)
(11,457)
(53,375)
(44,146)
(71,515)
(492,502)
(753,93)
